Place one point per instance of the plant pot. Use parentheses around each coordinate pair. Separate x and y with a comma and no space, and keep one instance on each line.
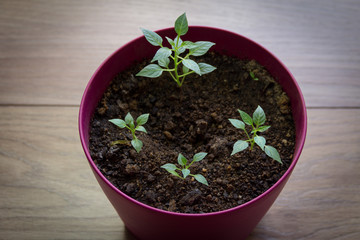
(146,222)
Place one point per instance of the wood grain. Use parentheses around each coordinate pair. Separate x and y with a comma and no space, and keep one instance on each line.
(48,190)
(49,49)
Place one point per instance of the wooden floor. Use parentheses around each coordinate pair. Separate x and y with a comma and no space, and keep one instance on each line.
(50,48)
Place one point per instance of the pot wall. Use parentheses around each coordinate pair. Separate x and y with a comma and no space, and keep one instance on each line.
(149,223)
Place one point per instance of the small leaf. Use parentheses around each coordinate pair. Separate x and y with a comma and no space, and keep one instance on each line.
(201,179)
(152,37)
(206,68)
(175,174)
(200,48)
(151,71)
(171,42)
(252,75)
(140,129)
(182,160)
(259,116)
(260,141)
(178,43)
(128,118)
(142,119)
(162,53)
(137,144)
(185,172)
(263,128)
(273,153)
(181,25)
(237,123)
(192,65)
(199,156)
(164,62)
(246,117)
(185,69)
(169,167)
(118,122)
(239,146)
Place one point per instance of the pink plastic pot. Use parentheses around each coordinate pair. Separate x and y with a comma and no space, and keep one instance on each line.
(147,222)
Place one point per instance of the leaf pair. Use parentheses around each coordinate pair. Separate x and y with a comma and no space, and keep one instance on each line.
(129,123)
(256,122)
(183,162)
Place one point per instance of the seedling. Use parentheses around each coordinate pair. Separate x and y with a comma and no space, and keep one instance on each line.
(164,54)
(183,162)
(256,122)
(129,124)
(252,75)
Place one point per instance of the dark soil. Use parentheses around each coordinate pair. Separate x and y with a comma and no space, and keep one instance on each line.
(189,120)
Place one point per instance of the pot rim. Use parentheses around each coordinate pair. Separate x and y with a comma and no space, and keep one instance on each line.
(264,194)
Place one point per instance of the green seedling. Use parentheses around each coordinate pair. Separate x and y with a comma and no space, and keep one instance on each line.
(256,122)
(165,54)
(252,75)
(129,124)
(183,162)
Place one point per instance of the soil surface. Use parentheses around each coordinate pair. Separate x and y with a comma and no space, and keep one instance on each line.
(188,120)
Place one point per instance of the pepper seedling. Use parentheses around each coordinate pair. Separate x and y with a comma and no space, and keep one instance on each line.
(129,124)
(256,122)
(164,54)
(184,163)
(252,75)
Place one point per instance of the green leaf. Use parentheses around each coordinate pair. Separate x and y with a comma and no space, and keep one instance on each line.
(128,118)
(171,42)
(185,69)
(206,68)
(263,128)
(260,141)
(152,37)
(175,174)
(246,117)
(151,71)
(259,116)
(192,65)
(188,44)
(252,75)
(273,153)
(164,62)
(118,122)
(199,156)
(178,44)
(237,123)
(169,167)
(137,144)
(181,25)
(140,129)
(239,146)
(182,160)
(142,119)
(200,48)
(162,53)
(201,179)
(185,172)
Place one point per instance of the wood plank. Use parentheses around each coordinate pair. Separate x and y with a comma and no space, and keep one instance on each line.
(49,49)
(48,190)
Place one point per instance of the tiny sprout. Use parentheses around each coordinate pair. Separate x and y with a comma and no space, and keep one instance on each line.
(252,75)
(183,162)
(256,123)
(164,54)
(129,124)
